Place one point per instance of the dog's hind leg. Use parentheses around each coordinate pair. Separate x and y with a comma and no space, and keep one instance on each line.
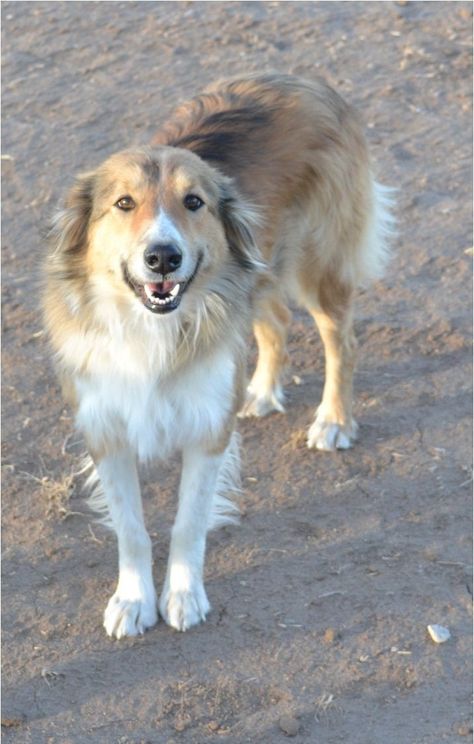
(334,427)
(265,393)
(133,607)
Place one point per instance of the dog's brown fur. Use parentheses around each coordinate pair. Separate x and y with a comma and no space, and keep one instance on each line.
(297,151)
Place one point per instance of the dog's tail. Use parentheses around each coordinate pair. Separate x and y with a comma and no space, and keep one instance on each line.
(225,511)
(380,232)
(96,500)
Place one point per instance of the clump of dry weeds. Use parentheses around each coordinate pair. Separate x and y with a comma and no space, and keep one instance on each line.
(56,493)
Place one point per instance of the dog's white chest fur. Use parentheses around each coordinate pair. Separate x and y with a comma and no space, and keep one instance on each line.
(158,415)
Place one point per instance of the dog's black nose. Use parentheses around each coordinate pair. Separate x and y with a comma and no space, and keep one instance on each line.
(163,258)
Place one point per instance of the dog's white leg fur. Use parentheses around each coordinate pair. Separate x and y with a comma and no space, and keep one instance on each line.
(133,607)
(183,601)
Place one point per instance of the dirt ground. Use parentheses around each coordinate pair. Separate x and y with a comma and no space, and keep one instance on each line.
(322,596)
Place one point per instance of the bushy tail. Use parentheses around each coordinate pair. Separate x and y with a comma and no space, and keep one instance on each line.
(96,500)
(224,511)
(381,231)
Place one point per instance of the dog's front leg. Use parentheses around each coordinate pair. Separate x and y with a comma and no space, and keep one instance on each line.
(133,607)
(183,601)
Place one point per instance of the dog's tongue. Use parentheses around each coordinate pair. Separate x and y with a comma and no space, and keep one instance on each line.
(162,287)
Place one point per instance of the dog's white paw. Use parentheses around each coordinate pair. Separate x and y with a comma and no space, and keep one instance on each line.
(184,608)
(129,617)
(260,405)
(329,436)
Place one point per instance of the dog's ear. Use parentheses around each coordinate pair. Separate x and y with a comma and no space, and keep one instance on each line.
(240,220)
(68,234)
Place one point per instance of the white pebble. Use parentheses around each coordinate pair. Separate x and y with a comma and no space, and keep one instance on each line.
(438,633)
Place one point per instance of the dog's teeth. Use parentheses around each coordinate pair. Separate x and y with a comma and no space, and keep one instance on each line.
(153,297)
(159,301)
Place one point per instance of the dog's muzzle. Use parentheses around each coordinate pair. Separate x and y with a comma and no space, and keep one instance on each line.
(163,296)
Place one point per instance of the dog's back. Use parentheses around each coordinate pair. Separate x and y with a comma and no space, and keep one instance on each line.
(298,152)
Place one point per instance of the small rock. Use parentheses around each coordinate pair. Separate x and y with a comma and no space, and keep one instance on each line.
(465,729)
(331,635)
(182,723)
(438,633)
(465,14)
(289,725)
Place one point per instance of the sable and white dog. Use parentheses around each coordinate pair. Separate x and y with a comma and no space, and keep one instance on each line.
(256,192)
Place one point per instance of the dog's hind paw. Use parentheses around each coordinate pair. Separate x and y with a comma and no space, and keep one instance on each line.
(128,617)
(262,405)
(185,608)
(329,436)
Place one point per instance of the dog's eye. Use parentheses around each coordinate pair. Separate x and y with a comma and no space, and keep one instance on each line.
(193,202)
(126,203)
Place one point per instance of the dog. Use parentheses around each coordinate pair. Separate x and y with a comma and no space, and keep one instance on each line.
(257,192)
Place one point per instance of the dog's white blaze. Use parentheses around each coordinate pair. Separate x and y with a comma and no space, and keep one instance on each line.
(163,230)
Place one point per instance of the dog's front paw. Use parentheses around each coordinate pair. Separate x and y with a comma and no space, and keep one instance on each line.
(184,608)
(129,617)
(328,435)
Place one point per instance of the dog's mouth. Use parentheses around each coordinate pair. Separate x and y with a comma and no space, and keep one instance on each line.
(160,297)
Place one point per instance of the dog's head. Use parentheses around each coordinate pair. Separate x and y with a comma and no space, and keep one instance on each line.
(154,222)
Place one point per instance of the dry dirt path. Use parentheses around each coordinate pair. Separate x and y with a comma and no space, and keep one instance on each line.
(322,597)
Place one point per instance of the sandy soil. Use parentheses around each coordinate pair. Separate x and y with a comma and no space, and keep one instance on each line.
(322,597)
